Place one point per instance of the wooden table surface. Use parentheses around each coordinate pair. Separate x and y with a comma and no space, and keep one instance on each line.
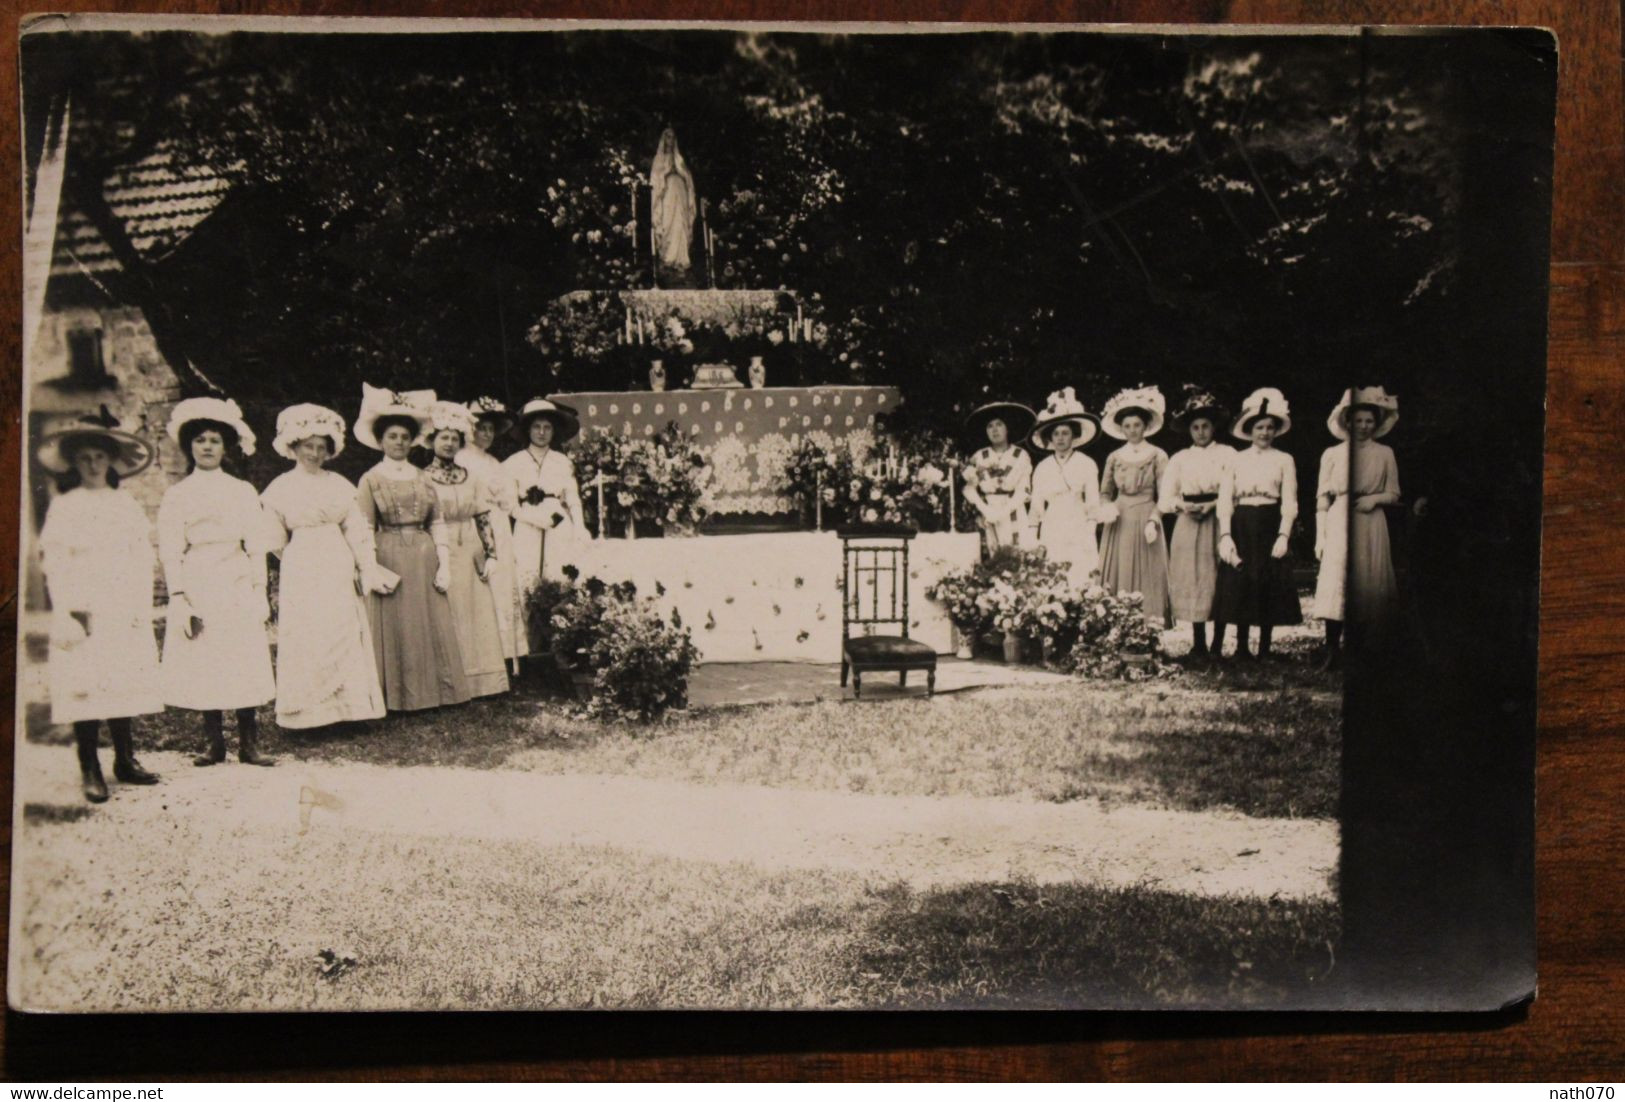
(1572,1032)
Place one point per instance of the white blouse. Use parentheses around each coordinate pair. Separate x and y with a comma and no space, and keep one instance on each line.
(553,473)
(208,508)
(1259,473)
(1193,471)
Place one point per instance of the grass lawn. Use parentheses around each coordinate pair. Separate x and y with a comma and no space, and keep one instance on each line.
(1262,740)
(217,920)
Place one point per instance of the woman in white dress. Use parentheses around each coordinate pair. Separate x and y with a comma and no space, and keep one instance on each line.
(325,672)
(96,548)
(491,420)
(547,513)
(1258,501)
(1190,490)
(212,540)
(1066,487)
(465,508)
(1358,478)
(999,475)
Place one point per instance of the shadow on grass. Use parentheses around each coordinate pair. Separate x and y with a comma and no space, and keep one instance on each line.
(1014,945)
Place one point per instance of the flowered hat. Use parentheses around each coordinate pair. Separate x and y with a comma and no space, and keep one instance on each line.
(1144,400)
(1374,398)
(64,436)
(1266,401)
(1016,417)
(220,410)
(377,402)
(1199,402)
(450,415)
(565,422)
(489,409)
(1063,408)
(303,421)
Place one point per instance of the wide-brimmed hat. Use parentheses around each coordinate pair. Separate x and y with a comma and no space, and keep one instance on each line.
(1199,402)
(565,422)
(1019,419)
(1144,400)
(450,415)
(130,455)
(303,421)
(489,409)
(1266,401)
(219,410)
(1063,408)
(1374,398)
(377,402)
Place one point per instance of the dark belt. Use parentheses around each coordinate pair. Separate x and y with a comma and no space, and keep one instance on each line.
(402,527)
(1201,499)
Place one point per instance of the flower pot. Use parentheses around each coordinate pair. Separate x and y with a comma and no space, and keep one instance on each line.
(963,650)
(1012,647)
(581,683)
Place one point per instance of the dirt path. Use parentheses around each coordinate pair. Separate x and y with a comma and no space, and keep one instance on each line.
(922,840)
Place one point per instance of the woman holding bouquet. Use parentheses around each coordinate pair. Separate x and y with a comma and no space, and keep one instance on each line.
(465,508)
(547,513)
(213,538)
(1133,556)
(414,639)
(1066,487)
(96,549)
(999,476)
(1258,501)
(491,420)
(325,670)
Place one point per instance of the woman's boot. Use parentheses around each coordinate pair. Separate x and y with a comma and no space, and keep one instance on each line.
(90,765)
(125,766)
(214,730)
(248,730)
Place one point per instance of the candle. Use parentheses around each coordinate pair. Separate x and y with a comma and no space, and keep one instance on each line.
(628,325)
(806,333)
(953,511)
(818,499)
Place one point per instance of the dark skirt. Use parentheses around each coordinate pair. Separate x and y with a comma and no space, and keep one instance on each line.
(1260,591)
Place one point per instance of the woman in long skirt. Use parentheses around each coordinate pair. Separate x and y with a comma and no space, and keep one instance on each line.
(96,549)
(212,539)
(465,508)
(491,420)
(1066,487)
(1190,491)
(1133,556)
(1358,478)
(542,482)
(414,638)
(1258,501)
(325,672)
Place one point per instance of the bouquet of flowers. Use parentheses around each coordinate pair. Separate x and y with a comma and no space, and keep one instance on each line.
(661,479)
(552,508)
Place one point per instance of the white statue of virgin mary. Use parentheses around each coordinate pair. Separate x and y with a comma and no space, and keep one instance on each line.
(672,203)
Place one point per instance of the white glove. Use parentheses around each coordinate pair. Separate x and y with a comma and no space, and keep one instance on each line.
(1279,550)
(66,630)
(263,605)
(1227,551)
(442,578)
(180,614)
(1320,550)
(483,568)
(1153,531)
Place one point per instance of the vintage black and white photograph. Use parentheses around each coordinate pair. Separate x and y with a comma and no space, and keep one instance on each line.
(525,516)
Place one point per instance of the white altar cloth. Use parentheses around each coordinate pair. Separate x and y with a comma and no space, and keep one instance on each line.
(772,596)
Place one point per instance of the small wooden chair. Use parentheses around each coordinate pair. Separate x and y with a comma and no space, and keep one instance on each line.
(874,591)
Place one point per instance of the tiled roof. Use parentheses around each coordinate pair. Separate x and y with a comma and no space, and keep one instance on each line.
(160,202)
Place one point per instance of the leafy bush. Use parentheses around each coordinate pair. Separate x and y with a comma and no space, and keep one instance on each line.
(640,663)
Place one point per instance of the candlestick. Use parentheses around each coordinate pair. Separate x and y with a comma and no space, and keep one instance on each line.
(598,481)
(818,500)
(953,509)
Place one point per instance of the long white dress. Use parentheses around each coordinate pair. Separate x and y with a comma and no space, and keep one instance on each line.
(212,539)
(488,469)
(97,552)
(325,671)
(996,484)
(1356,577)
(1065,504)
(541,547)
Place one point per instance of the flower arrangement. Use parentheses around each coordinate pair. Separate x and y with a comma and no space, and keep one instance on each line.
(662,480)
(855,481)
(1001,593)
(640,663)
